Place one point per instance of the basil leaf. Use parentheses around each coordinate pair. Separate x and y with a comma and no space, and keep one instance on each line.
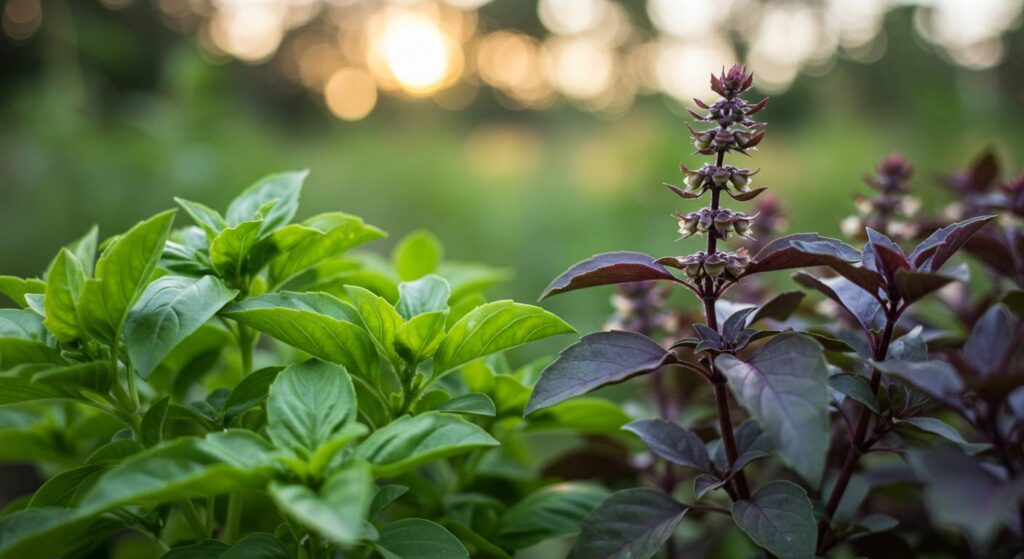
(170,310)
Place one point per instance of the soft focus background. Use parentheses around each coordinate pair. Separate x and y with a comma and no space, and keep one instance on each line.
(525,134)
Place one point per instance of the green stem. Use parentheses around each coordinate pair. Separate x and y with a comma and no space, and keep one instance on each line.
(188,509)
(316,546)
(233,523)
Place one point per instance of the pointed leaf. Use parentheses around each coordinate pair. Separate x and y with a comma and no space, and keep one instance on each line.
(63,289)
(631,524)
(416,538)
(308,403)
(935,378)
(313,322)
(672,442)
(492,328)
(337,510)
(382,321)
(551,512)
(864,308)
(608,268)
(784,385)
(990,341)
(427,294)
(283,187)
(934,251)
(779,518)
(122,273)
(474,403)
(410,441)
(317,239)
(15,288)
(181,468)
(596,360)
(170,310)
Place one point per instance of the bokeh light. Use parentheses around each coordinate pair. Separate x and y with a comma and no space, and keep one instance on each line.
(597,54)
(350,93)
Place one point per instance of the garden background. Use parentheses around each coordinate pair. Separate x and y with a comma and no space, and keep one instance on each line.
(525,135)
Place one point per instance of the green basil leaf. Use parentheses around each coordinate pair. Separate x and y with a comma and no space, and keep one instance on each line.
(185,467)
(551,512)
(631,524)
(784,385)
(492,328)
(308,403)
(427,294)
(474,403)
(417,340)
(19,351)
(410,441)
(122,273)
(170,310)
(284,188)
(258,545)
(22,323)
(65,488)
(416,538)
(381,320)
(208,218)
(84,249)
(15,288)
(385,497)
(317,239)
(230,251)
(250,392)
(337,510)
(52,532)
(779,518)
(314,323)
(63,289)
(417,254)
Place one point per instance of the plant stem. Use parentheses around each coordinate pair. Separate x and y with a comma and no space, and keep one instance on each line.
(857,444)
(710,297)
(316,546)
(188,510)
(233,522)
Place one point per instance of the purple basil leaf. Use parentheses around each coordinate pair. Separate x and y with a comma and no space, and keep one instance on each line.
(783,254)
(935,378)
(779,307)
(736,323)
(825,254)
(857,388)
(784,386)
(596,360)
(962,492)
(606,269)
(891,257)
(933,252)
(990,341)
(864,308)
(705,483)
(751,444)
(993,248)
(630,523)
(913,286)
(672,442)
